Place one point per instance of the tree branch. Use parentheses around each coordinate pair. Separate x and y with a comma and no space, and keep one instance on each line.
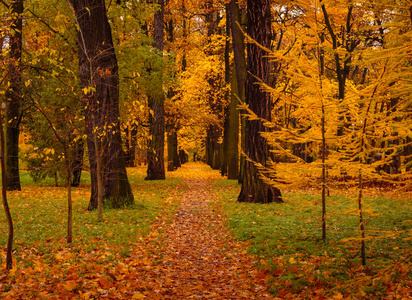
(5,4)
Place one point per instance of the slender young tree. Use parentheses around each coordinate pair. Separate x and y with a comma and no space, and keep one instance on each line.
(100,82)
(13,96)
(9,257)
(155,153)
(254,188)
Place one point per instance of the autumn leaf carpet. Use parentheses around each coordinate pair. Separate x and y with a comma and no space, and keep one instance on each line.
(191,255)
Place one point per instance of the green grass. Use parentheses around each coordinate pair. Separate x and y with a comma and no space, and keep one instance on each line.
(287,238)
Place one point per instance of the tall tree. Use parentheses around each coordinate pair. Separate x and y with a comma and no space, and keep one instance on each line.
(13,96)
(254,187)
(214,132)
(100,82)
(155,154)
(238,89)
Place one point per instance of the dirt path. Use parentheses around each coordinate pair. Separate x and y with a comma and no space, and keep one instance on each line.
(200,259)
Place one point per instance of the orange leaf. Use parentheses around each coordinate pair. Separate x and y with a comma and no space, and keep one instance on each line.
(104,283)
(70,285)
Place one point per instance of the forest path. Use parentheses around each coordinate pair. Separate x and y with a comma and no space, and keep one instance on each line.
(200,259)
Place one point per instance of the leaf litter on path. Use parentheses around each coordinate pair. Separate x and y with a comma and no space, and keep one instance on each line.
(200,259)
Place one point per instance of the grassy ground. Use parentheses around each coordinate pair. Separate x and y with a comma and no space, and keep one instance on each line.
(40,218)
(287,238)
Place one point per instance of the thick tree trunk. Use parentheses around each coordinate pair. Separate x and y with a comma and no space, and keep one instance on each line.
(100,80)
(254,189)
(155,154)
(13,96)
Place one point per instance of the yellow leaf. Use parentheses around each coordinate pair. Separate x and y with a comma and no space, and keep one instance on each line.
(138,296)
(338,296)
(292,260)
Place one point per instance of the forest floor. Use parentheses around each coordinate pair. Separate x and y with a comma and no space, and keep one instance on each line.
(199,258)
(187,253)
(187,238)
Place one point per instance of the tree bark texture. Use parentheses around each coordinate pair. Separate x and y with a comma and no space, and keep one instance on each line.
(224,147)
(238,91)
(155,154)
(100,80)
(9,254)
(254,189)
(13,96)
(233,132)
(240,72)
(172,151)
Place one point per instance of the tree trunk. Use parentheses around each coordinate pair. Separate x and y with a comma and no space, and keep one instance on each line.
(254,189)
(155,154)
(170,154)
(13,96)
(233,134)
(224,147)
(9,257)
(77,164)
(173,161)
(69,171)
(100,81)
(238,93)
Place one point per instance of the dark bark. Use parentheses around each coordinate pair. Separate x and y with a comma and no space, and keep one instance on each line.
(155,154)
(214,131)
(224,147)
(99,74)
(9,257)
(233,133)
(254,189)
(236,171)
(183,157)
(173,161)
(240,71)
(13,96)
(342,65)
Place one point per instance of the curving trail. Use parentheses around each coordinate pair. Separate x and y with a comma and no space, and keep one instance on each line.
(200,259)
